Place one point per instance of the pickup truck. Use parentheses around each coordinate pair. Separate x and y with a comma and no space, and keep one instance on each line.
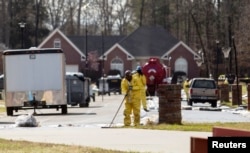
(203,90)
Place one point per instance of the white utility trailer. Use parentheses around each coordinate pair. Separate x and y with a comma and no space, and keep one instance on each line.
(34,78)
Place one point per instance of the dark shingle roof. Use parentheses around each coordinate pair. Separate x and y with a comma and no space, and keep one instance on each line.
(149,41)
(95,42)
(145,41)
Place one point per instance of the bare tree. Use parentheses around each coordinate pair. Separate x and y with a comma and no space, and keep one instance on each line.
(4,32)
(196,22)
(123,17)
(78,30)
(141,12)
(56,9)
(241,36)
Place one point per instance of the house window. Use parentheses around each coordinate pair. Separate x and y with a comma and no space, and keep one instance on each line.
(117,64)
(57,43)
(181,65)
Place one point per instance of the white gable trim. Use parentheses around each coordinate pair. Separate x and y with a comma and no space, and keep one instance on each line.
(64,37)
(129,56)
(166,55)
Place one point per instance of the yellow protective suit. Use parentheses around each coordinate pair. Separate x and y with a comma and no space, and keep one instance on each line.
(142,85)
(132,101)
(186,88)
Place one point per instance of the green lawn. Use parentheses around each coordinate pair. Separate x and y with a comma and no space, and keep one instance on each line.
(10,146)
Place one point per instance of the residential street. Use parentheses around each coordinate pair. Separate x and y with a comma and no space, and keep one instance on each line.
(83,126)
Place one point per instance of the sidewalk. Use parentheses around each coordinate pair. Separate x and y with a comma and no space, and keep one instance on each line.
(124,139)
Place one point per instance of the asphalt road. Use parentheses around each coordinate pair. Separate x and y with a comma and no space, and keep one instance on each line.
(82,126)
(98,113)
(103,111)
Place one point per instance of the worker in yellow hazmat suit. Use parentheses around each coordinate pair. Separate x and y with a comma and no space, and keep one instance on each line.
(130,88)
(142,85)
(186,87)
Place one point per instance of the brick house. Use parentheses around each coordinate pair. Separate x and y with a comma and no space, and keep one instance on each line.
(125,52)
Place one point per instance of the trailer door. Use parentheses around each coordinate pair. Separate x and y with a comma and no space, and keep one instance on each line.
(34,72)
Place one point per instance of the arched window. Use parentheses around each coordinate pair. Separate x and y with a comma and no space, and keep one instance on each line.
(117,64)
(181,65)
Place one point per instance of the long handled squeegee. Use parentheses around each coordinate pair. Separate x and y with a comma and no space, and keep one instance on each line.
(115,114)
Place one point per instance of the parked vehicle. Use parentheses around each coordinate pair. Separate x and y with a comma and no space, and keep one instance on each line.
(114,83)
(103,86)
(203,90)
(34,78)
(1,86)
(1,82)
(78,89)
(156,73)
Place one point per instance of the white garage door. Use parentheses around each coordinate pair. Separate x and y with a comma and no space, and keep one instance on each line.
(72,68)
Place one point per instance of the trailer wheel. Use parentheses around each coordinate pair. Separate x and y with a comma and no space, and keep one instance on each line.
(64,109)
(9,111)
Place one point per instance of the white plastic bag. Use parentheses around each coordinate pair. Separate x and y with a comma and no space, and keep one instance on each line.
(26,121)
